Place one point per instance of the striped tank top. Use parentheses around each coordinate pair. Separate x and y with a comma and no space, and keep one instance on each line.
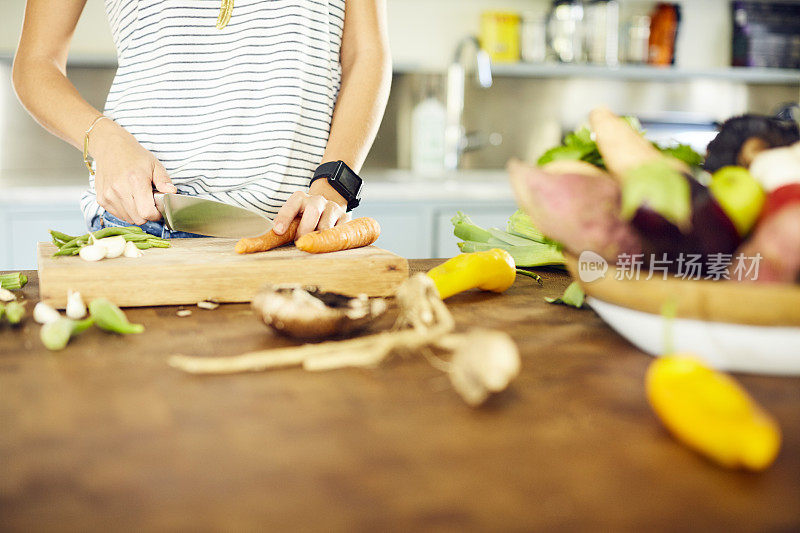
(239,115)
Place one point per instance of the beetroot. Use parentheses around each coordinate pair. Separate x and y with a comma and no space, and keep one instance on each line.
(710,232)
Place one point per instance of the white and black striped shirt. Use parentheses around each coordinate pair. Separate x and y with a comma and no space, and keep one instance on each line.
(240,115)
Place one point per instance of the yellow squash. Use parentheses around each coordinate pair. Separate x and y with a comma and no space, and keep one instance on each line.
(711,413)
(492,270)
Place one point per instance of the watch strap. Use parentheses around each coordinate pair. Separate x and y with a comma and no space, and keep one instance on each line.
(332,170)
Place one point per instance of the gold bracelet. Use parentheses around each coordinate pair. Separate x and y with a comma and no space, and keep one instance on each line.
(86,144)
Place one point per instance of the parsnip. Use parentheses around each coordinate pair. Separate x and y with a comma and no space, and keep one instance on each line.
(622,147)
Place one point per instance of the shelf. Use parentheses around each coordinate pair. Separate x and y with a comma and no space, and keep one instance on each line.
(635,73)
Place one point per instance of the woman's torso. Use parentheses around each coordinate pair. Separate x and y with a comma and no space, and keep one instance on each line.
(240,115)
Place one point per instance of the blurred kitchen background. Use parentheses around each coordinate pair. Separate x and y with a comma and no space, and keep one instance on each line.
(475,83)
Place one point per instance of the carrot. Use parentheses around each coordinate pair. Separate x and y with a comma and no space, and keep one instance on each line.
(622,147)
(354,234)
(268,241)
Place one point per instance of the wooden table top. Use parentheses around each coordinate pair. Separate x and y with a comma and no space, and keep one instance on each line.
(105,435)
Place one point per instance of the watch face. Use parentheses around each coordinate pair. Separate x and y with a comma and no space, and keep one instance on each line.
(349,180)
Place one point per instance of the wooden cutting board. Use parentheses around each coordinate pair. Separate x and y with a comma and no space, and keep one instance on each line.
(208,268)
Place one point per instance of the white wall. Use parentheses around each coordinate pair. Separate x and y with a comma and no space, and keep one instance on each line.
(424,32)
(92,36)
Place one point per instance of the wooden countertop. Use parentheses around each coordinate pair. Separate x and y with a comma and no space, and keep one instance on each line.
(105,435)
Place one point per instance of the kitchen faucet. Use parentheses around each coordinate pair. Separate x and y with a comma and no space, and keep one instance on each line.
(456,140)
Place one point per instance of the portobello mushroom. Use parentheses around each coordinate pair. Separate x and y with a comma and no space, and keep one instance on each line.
(307,312)
(741,138)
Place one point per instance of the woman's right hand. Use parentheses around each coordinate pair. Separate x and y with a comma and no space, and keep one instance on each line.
(126,173)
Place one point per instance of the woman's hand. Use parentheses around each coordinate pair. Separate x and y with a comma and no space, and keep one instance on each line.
(321,208)
(126,173)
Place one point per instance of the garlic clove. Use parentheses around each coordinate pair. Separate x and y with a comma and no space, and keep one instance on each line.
(114,245)
(44,314)
(131,250)
(92,252)
(6,295)
(76,308)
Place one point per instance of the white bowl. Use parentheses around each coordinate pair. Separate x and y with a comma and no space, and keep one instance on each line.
(773,350)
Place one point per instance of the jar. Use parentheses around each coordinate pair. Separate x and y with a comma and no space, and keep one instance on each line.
(533,38)
(500,35)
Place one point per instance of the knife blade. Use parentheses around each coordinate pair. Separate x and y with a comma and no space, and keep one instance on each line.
(208,217)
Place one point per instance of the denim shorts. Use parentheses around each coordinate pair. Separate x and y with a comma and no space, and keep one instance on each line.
(107,220)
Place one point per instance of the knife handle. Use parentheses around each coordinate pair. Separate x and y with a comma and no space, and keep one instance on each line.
(159,199)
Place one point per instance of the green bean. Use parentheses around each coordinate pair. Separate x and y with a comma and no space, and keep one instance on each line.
(67,251)
(159,243)
(136,237)
(75,242)
(63,237)
(143,245)
(15,311)
(109,317)
(113,231)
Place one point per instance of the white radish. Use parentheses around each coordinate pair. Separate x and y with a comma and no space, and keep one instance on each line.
(777,167)
(93,252)
(114,245)
(131,250)
(76,308)
(44,314)
(6,295)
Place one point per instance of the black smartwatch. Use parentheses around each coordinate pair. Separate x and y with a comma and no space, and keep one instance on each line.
(343,180)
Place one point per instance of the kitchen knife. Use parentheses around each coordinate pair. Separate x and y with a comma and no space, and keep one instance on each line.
(207,217)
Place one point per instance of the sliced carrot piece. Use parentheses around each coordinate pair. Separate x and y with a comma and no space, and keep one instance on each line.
(268,241)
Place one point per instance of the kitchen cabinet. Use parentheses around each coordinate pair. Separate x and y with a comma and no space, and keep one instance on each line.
(21,226)
(420,230)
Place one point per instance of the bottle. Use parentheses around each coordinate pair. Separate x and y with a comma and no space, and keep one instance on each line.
(663,31)
(602,32)
(428,123)
(637,39)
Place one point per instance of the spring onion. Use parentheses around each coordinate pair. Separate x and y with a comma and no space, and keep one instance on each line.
(13,280)
(15,311)
(69,245)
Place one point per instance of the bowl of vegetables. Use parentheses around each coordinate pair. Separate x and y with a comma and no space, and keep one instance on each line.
(714,240)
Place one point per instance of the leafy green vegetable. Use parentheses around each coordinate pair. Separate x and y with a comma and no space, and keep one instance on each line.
(660,188)
(684,152)
(579,146)
(573,296)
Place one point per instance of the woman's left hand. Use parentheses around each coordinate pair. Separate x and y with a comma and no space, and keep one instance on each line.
(321,207)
